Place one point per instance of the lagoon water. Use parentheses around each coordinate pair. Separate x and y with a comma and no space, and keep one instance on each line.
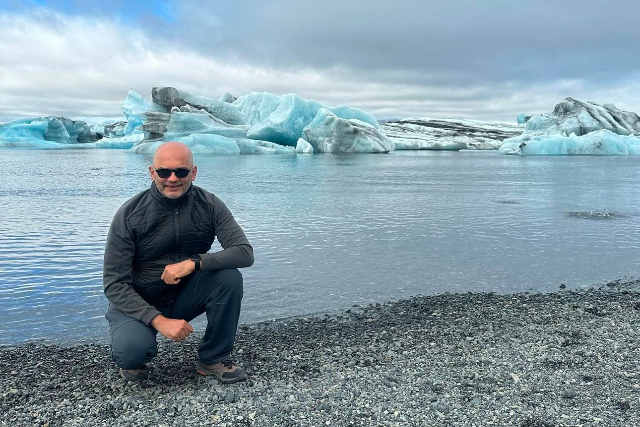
(328,231)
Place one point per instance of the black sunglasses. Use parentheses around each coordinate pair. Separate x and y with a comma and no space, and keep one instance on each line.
(166,173)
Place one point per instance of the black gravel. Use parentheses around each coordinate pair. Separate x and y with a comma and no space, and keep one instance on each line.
(528,360)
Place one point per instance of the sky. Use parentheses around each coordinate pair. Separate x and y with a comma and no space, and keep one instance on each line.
(483,59)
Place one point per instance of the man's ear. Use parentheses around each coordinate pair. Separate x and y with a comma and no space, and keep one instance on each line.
(194,172)
(151,171)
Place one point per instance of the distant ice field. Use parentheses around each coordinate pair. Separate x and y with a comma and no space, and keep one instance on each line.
(328,231)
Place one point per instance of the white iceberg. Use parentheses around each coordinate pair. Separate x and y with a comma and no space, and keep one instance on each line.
(578,128)
(328,133)
(303,147)
(257,106)
(423,133)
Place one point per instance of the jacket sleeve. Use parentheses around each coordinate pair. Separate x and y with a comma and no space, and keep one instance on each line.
(118,272)
(236,251)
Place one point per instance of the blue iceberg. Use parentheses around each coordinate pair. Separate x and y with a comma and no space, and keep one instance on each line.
(46,132)
(578,128)
(284,124)
(259,122)
(600,143)
(328,133)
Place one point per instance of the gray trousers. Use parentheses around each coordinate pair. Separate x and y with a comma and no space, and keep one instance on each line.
(217,293)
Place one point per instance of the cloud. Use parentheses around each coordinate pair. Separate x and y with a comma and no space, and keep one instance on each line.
(485,60)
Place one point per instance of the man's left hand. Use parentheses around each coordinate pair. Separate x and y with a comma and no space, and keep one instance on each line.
(174,272)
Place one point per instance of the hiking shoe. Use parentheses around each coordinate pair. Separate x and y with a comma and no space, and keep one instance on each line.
(225,371)
(135,374)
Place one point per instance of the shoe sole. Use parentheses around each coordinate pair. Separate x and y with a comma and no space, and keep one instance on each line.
(141,376)
(222,380)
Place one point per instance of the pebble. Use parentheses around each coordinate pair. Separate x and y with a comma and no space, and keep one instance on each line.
(444,360)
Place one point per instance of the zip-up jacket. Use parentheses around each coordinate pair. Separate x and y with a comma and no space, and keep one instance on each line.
(151,231)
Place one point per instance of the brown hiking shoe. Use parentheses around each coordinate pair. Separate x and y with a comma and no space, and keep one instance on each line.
(225,371)
(135,374)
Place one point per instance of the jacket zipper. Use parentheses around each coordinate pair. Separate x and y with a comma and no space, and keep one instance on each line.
(176,227)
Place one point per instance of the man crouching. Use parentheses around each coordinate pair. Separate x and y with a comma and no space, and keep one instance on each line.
(158,274)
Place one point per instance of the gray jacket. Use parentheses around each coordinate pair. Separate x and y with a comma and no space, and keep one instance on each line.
(151,231)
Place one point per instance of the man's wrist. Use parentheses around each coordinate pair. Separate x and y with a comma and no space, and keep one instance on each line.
(157,320)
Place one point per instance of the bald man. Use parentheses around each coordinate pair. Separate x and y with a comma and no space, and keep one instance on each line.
(159,274)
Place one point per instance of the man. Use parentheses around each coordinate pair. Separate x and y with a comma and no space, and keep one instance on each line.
(158,274)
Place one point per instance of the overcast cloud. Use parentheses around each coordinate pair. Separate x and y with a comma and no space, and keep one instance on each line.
(486,59)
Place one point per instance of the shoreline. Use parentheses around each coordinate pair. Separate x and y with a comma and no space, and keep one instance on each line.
(532,360)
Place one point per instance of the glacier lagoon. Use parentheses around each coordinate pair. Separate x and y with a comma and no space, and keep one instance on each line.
(328,231)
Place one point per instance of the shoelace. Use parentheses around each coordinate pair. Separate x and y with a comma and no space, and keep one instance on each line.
(228,363)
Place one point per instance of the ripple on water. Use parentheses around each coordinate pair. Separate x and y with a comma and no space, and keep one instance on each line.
(594,215)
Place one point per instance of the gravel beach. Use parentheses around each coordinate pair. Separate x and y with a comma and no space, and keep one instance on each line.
(569,358)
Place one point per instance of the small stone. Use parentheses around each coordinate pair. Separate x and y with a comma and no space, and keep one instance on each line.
(230,397)
(623,405)
(272,412)
(569,393)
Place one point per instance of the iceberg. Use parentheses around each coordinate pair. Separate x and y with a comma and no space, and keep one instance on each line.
(188,123)
(133,108)
(110,128)
(523,118)
(303,147)
(600,143)
(46,132)
(227,97)
(285,123)
(575,127)
(423,133)
(218,144)
(257,106)
(328,133)
(122,142)
(259,122)
(170,97)
(253,146)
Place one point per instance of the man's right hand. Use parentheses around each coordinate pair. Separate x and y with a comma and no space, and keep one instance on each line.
(174,329)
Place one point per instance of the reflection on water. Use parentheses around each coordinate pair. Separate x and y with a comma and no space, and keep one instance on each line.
(328,231)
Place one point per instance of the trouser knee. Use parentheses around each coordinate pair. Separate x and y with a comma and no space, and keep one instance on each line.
(132,350)
(231,283)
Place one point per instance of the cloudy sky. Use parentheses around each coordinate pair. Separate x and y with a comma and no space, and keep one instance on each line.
(482,59)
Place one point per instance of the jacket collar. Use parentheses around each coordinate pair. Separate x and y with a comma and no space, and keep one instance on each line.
(156,194)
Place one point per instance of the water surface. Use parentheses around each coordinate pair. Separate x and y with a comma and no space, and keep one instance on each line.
(328,231)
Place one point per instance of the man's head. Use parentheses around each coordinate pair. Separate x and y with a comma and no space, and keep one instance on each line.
(168,160)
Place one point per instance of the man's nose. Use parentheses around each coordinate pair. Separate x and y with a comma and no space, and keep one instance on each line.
(173,177)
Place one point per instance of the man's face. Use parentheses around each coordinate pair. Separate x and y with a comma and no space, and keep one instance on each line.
(173,156)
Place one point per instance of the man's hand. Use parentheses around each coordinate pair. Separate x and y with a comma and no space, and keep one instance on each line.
(174,272)
(174,329)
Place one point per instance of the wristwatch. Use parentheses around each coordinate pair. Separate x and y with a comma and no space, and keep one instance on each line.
(196,260)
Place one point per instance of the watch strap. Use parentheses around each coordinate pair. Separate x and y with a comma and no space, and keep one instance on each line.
(196,259)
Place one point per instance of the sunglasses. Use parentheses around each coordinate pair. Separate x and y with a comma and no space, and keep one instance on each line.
(166,173)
